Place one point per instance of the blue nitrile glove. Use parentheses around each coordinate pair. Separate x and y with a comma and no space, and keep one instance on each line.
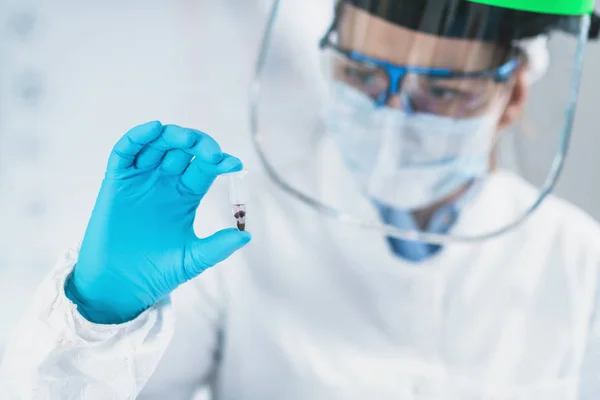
(140,244)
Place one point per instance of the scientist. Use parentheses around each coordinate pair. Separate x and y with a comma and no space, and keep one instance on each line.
(417,95)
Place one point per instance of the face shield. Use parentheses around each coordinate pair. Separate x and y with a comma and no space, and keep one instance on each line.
(418,106)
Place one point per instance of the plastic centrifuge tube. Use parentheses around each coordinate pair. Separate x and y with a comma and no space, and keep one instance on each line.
(237,198)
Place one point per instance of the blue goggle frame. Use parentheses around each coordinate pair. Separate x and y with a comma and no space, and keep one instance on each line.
(396,72)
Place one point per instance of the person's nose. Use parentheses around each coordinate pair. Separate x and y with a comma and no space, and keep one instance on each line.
(394,101)
(401,101)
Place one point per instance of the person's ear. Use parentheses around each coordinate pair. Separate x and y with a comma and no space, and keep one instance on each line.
(516,101)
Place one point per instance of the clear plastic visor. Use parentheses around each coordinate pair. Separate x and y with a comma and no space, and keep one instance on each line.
(373,119)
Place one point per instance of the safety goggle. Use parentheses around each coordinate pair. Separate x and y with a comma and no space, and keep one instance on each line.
(421,89)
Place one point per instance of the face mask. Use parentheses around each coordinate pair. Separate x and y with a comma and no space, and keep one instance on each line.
(407,161)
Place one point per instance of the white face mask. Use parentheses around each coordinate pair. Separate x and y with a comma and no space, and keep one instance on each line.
(407,161)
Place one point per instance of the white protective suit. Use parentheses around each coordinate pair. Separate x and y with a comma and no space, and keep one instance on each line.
(312,309)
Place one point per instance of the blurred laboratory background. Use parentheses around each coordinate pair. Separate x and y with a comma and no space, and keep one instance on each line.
(76,74)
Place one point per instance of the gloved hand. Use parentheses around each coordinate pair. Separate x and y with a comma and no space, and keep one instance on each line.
(140,244)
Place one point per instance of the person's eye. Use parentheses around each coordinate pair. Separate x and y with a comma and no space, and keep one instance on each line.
(445,93)
(360,76)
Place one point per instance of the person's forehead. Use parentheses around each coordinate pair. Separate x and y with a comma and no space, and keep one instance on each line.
(373,36)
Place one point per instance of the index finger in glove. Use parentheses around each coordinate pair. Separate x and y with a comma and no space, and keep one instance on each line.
(172,137)
(205,148)
(199,175)
(127,148)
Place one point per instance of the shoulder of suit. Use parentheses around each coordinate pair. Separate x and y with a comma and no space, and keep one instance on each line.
(567,224)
